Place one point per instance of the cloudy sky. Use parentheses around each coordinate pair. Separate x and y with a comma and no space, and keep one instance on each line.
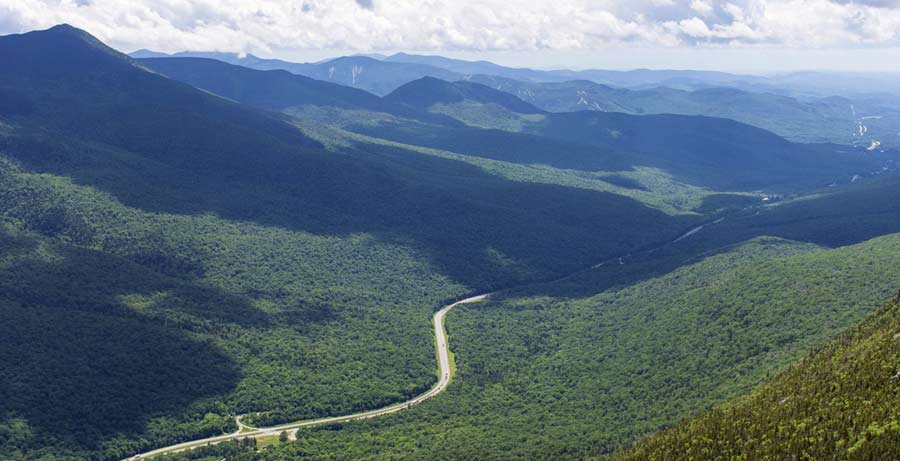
(742,35)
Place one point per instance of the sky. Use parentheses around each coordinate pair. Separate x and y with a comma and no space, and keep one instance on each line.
(754,36)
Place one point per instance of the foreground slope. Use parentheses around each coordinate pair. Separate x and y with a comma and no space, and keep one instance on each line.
(839,403)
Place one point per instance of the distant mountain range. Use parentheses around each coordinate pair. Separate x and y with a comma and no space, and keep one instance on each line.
(474,119)
(384,74)
(798,84)
(373,75)
(837,119)
(275,89)
(807,107)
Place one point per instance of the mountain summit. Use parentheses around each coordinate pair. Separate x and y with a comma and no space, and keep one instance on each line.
(56,51)
(428,91)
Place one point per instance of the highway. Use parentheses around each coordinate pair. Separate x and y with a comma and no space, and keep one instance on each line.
(445,375)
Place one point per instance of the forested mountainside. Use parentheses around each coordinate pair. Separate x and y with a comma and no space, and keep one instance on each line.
(580,377)
(183,241)
(840,402)
(188,152)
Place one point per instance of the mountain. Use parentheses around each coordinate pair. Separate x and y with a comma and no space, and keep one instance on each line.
(103,88)
(375,76)
(838,403)
(834,119)
(145,53)
(427,92)
(466,68)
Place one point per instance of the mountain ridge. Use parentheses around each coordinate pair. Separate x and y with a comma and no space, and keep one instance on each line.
(696,149)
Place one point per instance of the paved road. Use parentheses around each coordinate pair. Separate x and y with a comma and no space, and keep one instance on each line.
(443,354)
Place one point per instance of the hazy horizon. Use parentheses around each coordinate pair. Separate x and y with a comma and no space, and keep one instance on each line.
(608,59)
(740,36)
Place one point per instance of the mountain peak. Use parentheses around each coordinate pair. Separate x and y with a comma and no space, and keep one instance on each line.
(427,91)
(145,53)
(56,51)
(66,28)
(68,32)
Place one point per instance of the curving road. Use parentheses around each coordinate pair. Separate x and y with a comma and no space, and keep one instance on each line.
(244,431)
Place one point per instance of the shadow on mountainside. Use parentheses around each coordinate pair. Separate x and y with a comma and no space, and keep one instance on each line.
(87,351)
(482,230)
(837,218)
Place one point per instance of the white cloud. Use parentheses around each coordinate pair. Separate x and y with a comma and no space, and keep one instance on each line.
(735,11)
(694,27)
(704,7)
(473,25)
